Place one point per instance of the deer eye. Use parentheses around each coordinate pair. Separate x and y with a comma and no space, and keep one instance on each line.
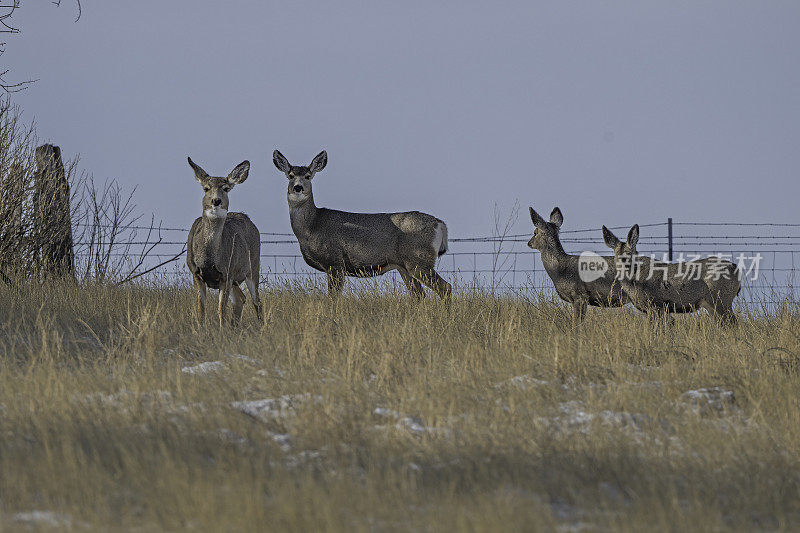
(226,189)
(206,189)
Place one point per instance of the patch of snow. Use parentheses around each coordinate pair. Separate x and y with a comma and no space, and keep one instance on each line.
(612,492)
(705,401)
(204,369)
(412,424)
(386,413)
(644,369)
(272,408)
(232,437)
(564,511)
(572,383)
(523,382)
(42,518)
(242,358)
(281,439)
(276,371)
(574,417)
(573,414)
(117,399)
(306,456)
(123,400)
(576,527)
(645,384)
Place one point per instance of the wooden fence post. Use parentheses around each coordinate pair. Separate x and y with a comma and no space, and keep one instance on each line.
(52,220)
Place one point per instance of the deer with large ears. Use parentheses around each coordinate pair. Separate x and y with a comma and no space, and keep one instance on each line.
(341,243)
(659,288)
(223,249)
(580,280)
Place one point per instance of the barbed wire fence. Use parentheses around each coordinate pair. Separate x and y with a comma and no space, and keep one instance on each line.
(503,264)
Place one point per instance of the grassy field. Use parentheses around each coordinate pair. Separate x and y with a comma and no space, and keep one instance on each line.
(376,413)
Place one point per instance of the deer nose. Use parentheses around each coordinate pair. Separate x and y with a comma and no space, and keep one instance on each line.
(298,188)
(216,201)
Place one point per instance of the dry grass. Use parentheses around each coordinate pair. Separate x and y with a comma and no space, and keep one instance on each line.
(100,427)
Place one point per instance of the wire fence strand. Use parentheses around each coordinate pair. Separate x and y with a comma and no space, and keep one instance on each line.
(505,263)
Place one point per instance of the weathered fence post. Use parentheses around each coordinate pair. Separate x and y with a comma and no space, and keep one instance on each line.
(669,238)
(52,221)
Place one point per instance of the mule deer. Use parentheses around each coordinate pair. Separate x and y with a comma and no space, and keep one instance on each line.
(223,248)
(659,288)
(342,244)
(597,287)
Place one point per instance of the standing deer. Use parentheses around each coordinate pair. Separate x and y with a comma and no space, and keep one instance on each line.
(659,288)
(600,289)
(342,244)
(223,248)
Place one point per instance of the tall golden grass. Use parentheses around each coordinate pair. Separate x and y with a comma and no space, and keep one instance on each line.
(493,414)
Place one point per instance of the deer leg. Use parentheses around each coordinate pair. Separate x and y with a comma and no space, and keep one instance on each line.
(722,313)
(658,316)
(335,283)
(238,303)
(252,288)
(578,311)
(413,285)
(729,318)
(200,287)
(433,280)
(224,294)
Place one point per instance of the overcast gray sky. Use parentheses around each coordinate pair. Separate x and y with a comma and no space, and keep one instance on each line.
(618,112)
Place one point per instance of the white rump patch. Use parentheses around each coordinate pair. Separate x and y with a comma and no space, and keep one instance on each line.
(439,237)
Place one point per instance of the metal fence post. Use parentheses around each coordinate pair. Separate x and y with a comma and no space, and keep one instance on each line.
(669,238)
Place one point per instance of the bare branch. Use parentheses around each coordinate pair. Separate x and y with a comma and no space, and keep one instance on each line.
(7,27)
(175,258)
(58,4)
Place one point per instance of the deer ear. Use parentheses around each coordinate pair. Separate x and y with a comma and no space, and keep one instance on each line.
(556,217)
(318,162)
(199,174)
(536,219)
(281,163)
(633,236)
(610,239)
(239,174)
